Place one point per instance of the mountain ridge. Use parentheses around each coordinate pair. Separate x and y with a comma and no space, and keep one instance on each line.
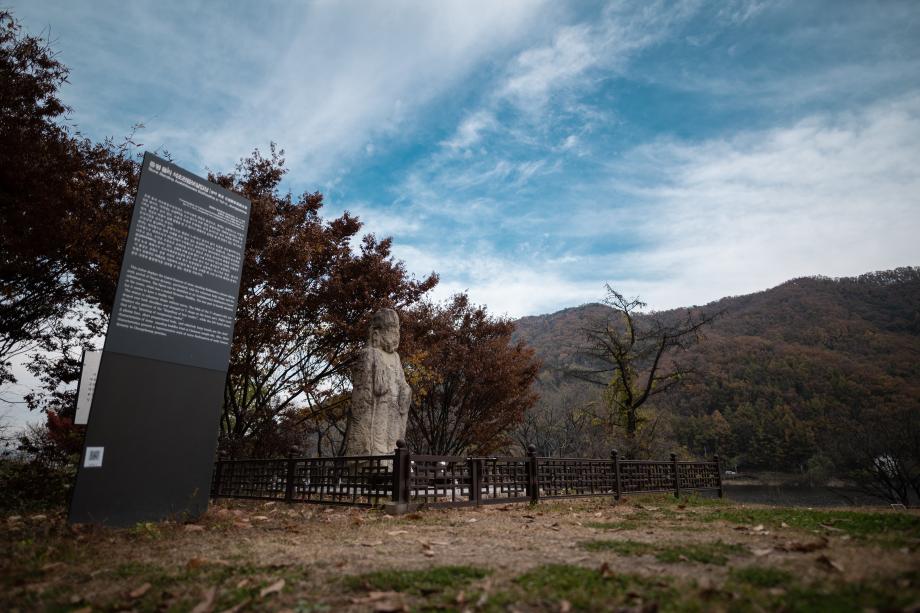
(783,367)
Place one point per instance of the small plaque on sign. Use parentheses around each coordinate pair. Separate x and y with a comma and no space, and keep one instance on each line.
(87,386)
(93,457)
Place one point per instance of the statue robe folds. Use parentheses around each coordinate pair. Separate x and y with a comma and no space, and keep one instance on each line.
(380,397)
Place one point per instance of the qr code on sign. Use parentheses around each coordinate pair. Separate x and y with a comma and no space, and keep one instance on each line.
(93,457)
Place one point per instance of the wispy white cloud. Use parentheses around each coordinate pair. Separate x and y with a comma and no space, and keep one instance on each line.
(832,194)
(353,75)
(322,79)
(835,195)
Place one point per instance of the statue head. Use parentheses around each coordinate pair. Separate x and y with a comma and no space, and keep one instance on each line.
(384,330)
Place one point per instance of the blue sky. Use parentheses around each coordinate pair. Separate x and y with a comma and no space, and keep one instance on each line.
(529,152)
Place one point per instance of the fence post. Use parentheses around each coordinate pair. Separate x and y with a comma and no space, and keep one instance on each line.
(218,473)
(676,475)
(719,473)
(289,481)
(402,467)
(615,458)
(533,487)
(475,484)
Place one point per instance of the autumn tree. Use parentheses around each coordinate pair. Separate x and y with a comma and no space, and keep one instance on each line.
(633,356)
(305,299)
(64,206)
(882,448)
(471,383)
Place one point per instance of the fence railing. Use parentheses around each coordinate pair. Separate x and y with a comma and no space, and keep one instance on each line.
(404,480)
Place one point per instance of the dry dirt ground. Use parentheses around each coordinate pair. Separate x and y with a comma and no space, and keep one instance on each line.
(645,553)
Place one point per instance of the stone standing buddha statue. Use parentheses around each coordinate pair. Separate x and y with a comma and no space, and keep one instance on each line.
(380,396)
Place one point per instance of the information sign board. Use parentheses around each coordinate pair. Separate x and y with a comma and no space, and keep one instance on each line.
(152,430)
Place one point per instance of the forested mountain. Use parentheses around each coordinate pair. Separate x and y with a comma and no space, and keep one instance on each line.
(797,377)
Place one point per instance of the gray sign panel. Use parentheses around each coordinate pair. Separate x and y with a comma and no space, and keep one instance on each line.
(176,298)
(153,426)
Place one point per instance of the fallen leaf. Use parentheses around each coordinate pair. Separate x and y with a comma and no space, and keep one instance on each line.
(195,563)
(800,547)
(783,525)
(277,586)
(193,528)
(237,607)
(761,552)
(38,517)
(260,518)
(382,601)
(207,601)
(397,532)
(758,528)
(831,528)
(139,591)
(372,544)
(242,583)
(829,564)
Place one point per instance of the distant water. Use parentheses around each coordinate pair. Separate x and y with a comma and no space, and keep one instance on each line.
(801,496)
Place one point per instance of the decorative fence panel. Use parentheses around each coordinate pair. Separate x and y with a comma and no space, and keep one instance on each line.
(575,478)
(404,480)
(361,481)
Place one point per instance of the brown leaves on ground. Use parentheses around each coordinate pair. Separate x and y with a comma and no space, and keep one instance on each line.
(139,591)
(382,602)
(207,601)
(274,588)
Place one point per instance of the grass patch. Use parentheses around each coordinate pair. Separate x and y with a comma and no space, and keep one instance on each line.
(762,576)
(596,590)
(716,553)
(428,581)
(585,589)
(624,548)
(852,597)
(693,499)
(859,524)
(613,525)
(705,553)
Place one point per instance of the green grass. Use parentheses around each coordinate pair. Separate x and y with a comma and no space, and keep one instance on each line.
(692,499)
(750,589)
(186,584)
(886,526)
(585,589)
(427,581)
(717,553)
(762,576)
(624,548)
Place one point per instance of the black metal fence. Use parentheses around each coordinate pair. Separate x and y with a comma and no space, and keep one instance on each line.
(404,480)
